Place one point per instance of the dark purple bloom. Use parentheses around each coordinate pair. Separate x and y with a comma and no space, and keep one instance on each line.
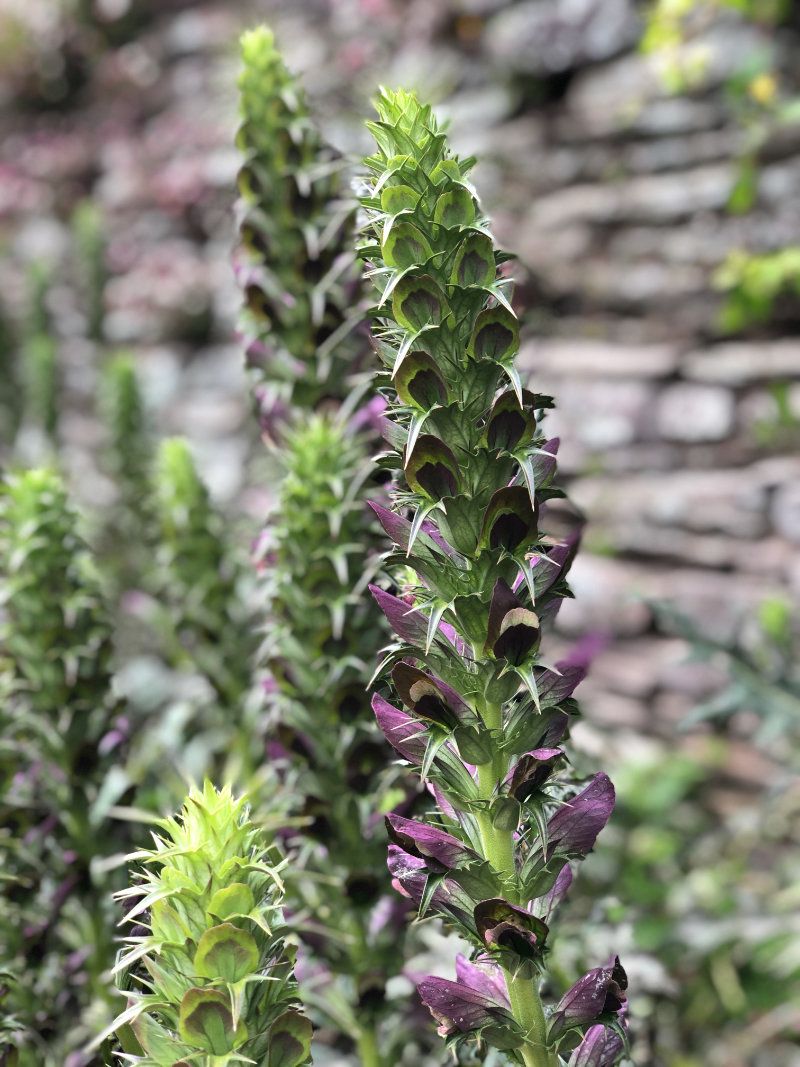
(510,518)
(430,698)
(478,1000)
(512,929)
(573,830)
(439,850)
(600,1048)
(399,529)
(532,770)
(512,630)
(599,994)
(404,734)
(549,567)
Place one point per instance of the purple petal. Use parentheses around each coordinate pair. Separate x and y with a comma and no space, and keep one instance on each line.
(410,877)
(459,1008)
(558,892)
(600,1048)
(486,977)
(408,623)
(532,770)
(399,528)
(439,850)
(404,734)
(601,991)
(555,686)
(573,830)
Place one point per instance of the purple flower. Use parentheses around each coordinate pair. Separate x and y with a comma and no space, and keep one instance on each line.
(600,1048)
(399,529)
(599,994)
(404,734)
(439,850)
(556,685)
(573,830)
(430,698)
(478,1001)
(558,892)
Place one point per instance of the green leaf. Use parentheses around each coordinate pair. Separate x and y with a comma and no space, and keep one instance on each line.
(226,952)
(455,208)
(417,301)
(289,1043)
(206,1022)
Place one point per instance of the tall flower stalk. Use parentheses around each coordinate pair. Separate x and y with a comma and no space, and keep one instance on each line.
(207,972)
(59,730)
(483,717)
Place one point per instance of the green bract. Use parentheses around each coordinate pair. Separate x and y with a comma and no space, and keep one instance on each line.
(297,264)
(211,981)
(482,716)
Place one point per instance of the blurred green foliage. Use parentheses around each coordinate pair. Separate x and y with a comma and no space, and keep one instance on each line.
(61,727)
(753,283)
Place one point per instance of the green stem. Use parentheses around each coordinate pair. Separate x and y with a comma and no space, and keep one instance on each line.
(498,849)
(368,1051)
(527,1009)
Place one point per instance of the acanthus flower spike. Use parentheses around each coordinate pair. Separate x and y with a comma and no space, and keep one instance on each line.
(479,579)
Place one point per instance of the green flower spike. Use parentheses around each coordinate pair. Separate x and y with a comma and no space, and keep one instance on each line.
(297,265)
(210,982)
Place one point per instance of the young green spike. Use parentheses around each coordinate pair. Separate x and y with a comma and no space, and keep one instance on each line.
(90,255)
(483,717)
(297,266)
(210,980)
(196,578)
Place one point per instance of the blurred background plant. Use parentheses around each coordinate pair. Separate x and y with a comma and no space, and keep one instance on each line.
(62,729)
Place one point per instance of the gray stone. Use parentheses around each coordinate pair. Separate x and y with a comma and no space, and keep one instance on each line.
(786,511)
(740,363)
(586,358)
(688,412)
(544,37)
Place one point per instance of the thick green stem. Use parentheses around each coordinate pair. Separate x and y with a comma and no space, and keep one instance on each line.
(368,1051)
(527,1010)
(498,849)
